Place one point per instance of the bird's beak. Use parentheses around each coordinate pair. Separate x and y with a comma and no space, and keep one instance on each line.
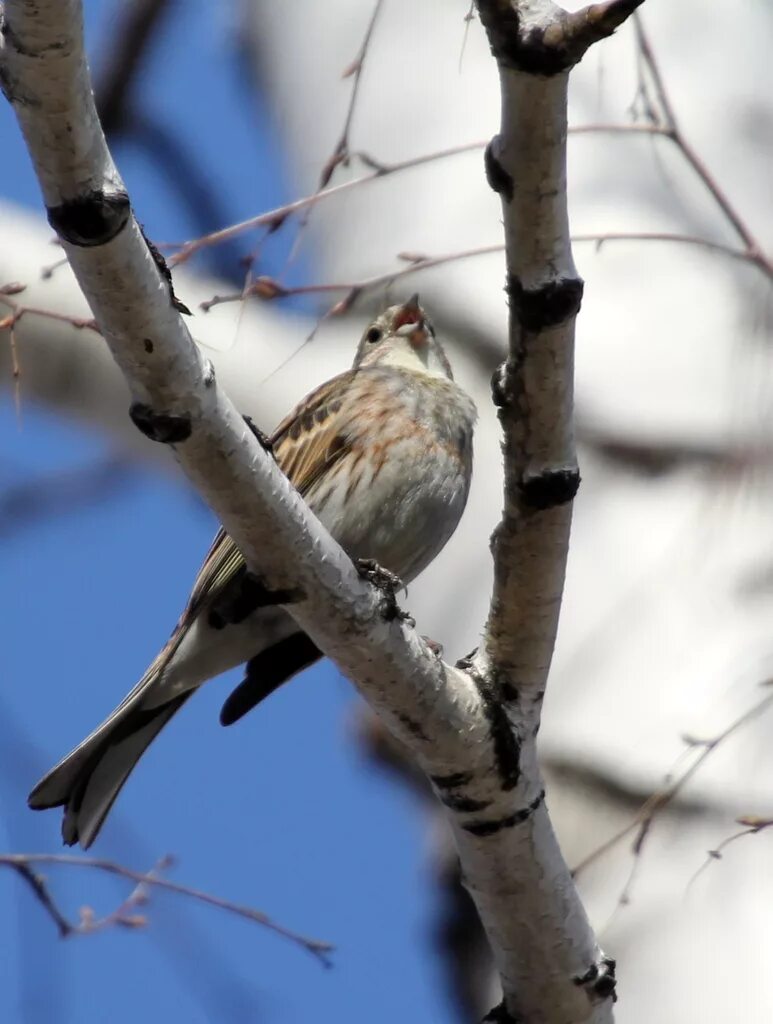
(409,322)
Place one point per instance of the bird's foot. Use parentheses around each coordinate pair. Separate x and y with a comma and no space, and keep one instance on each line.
(388,584)
(264,440)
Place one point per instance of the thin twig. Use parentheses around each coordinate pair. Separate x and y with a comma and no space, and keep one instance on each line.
(271,218)
(670,127)
(22,864)
(753,825)
(40,889)
(268,288)
(341,152)
(18,311)
(602,238)
(651,808)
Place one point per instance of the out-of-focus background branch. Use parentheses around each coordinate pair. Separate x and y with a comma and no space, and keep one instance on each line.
(665,631)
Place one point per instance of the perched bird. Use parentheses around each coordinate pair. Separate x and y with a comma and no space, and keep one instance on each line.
(383,456)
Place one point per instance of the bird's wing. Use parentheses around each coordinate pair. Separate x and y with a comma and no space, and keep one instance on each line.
(306,444)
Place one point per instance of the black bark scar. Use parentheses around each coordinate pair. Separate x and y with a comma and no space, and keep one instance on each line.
(161,427)
(490,828)
(507,749)
(413,727)
(91,219)
(526,50)
(463,804)
(549,489)
(552,304)
(165,272)
(599,980)
(452,781)
(501,1015)
(498,178)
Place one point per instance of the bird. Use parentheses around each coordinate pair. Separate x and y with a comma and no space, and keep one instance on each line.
(382,454)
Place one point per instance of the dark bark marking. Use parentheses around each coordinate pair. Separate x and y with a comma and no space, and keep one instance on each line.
(507,749)
(490,828)
(209,373)
(501,1015)
(161,427)
(165,272)
(498,178)
(463,803)
(91,219)
(509,692)
(452,781)
(148,343)
(546,51)
(549,489)
(552,304)
(599,980)
(414,728)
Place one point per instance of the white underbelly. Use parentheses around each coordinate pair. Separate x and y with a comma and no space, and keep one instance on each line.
(400,520)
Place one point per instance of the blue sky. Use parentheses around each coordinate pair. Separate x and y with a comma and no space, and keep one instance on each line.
(279,811)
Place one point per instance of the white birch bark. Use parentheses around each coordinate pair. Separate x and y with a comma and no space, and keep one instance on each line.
(472,728)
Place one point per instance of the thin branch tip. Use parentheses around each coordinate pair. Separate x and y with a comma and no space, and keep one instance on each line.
(592,24)
(609,16)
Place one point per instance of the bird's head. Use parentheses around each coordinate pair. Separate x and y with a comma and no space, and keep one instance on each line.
(403,336)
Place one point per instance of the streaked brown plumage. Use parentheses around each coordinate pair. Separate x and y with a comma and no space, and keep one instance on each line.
(383,455)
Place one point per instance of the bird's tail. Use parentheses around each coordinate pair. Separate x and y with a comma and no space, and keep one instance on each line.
(88,780)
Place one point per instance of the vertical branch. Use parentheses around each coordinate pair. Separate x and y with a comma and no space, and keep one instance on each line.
(535,44)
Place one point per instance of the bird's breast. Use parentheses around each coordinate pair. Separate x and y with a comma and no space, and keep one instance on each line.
(399,492)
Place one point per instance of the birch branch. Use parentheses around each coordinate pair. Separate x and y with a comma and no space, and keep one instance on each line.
(471,728)
(535,44)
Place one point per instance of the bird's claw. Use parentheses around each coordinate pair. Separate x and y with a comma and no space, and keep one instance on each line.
(389,584)
(264,440)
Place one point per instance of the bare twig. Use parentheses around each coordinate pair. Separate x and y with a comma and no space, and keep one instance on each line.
(18,311)
(602,238)
(268,288)
(752,825)
(341,153)
(272,218)
(655,804)
(23,863)
(10,321)
(671,128)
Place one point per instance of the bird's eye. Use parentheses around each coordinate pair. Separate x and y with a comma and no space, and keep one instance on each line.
(373,335)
